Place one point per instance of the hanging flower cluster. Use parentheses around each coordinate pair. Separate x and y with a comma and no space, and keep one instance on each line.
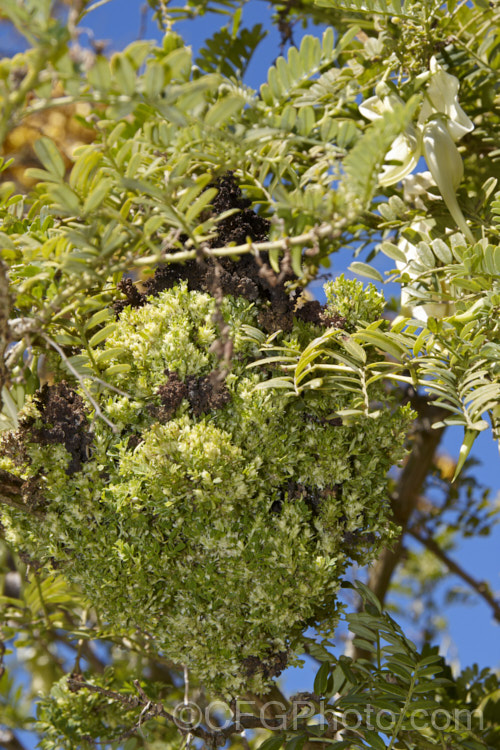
(441,123)
(414,187)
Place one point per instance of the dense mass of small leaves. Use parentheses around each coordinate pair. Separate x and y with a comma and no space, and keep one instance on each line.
(218,519)
(209,528)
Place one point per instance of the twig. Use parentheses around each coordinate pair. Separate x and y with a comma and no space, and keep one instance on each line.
(20,506)
(144,22)
(76,683)
(310,237)
(20,327)
(77,375)
(79,645)
(189,736)
(480,587)
(96,5)
(4,325)
(43,603)
(212,737)
(186,685)
(165,18)
(110,386)
(91,657)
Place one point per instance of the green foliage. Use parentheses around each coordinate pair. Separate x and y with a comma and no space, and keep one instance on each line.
(404,695)
(351,301)
(215,538)
(364,162)
(76,719)
(230,51)
(454,358)
(242,510)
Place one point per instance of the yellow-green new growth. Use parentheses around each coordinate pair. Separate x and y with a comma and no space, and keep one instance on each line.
(222,534)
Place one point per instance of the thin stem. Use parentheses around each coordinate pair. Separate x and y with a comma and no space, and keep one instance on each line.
(77,375)
(325,230)
(401,718)
(79,645)
(405,497)
(480,587)
(46,613)
(212,737)
(165,18)
(96,5)
(4,325)
(20,506)
(186,702)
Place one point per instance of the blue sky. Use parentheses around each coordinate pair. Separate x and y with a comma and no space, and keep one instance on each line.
(474,635)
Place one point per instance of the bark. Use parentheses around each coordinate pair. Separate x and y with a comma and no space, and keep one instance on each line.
(424,443)
(9,741)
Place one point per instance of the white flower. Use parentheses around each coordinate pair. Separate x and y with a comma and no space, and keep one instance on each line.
(441,122)
(442,97)
(405,149)
(435,309)
(446,167)
(416,187)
